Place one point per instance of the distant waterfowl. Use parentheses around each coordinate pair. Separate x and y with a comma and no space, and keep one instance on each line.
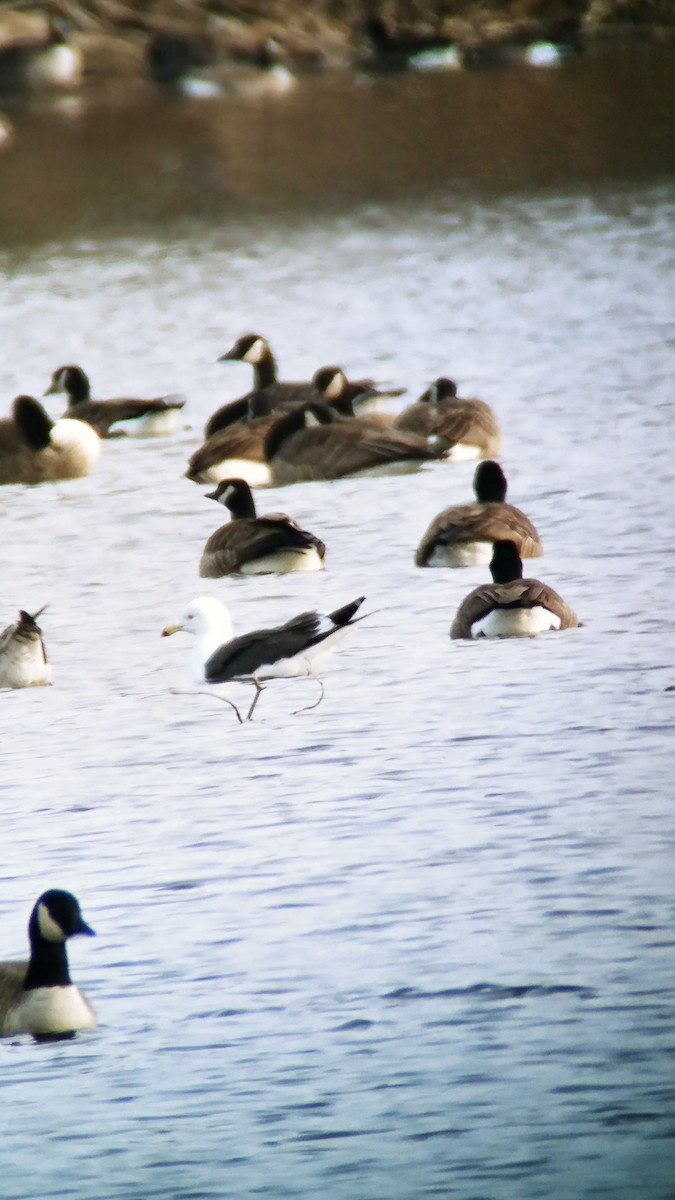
(269,393)
(200,67)
(36,54)
(112,418)
(511,606)
(310,443)
(463,535)
(468,425)
(23,658)
(287,651)
(398,50)
(38,996)
(35,449)
(252,545)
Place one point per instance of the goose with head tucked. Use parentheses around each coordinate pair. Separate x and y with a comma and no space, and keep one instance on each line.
(511,606)
(270,394)
(469,426)
(311,443)
(463,535)
(23,658)
(238,449)
(253,545)
(35,449)
(38,996)
(288,651)
(114,418)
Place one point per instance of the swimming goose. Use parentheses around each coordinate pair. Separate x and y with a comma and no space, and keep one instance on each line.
(469,426)
(463,535)
(35,449)
(310,443)
(35,54)
(23,658)
(238,449)
(269,393)
(511,606)
(113,418)
(252,545)
(286,651)
(38,996)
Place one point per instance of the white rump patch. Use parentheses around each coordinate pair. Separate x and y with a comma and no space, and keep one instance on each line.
(516,622)
(461,554)
(78,441)
(284,561)
(153,424)
(462,452)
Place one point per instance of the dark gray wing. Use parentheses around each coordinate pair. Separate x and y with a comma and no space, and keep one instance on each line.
(243,656)
(102,414)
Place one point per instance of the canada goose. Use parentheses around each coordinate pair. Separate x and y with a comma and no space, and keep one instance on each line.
(511,606)
(35,54)
(463,535)
(269,393)
(35,449)
(284,652)
(38,996)
(23,658)
(112,418)
(310,443)
(397,51)
(238,449)
(252,545)
(202,66)
(469,426)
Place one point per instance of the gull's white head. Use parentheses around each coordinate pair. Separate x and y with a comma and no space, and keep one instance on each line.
(210,623)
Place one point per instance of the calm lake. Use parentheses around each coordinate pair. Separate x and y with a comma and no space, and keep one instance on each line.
(419,941)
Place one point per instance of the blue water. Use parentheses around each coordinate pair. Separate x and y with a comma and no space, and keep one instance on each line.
(417,941)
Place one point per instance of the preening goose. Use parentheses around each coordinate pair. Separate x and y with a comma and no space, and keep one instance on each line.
(511,606)
(469,426)
(310,443)
(35,449)
(23,658)
(463,535)
(253,545)
(38,996)
(238,449)
(112,418)
(287,651)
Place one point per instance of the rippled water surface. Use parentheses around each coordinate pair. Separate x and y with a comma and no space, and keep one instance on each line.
(417,941)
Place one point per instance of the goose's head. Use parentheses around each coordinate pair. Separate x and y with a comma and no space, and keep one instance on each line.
(57,917)
(249,348)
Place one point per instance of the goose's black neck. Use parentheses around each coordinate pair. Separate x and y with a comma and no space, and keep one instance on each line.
(240,502)
(48,966)
(265,371)
(505,564)
(77,387)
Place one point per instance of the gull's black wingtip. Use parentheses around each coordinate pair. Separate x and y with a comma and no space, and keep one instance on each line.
(342,616)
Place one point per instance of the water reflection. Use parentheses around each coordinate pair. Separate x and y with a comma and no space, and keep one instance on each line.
(340,139)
